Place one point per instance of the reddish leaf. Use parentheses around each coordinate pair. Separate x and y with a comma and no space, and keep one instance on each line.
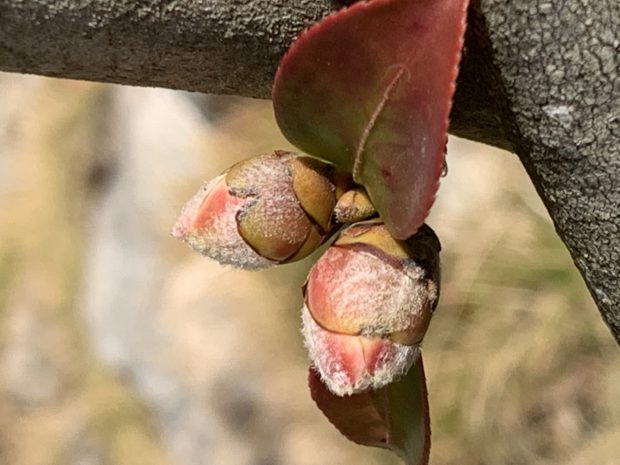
(369,88)
(394,417)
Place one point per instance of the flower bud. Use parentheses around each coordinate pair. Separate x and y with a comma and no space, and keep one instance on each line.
(354,205)
(351,364)
(266,210)
(369,300)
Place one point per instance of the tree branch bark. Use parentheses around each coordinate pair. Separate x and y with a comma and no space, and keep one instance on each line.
(539,77)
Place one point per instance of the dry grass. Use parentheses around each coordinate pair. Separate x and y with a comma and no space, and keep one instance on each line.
(58,405)
(522,369)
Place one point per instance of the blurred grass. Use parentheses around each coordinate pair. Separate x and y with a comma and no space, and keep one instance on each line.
(521,368)
(521,365)
(41,253)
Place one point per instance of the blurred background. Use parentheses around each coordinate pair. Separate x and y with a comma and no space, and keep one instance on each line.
(119,346)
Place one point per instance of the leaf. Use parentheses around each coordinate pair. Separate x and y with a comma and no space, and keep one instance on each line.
(394,417)
(369,88)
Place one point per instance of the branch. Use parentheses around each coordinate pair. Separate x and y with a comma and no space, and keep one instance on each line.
(539,78)
(212,46)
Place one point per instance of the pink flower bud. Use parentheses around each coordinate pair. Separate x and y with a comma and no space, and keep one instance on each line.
(269,209)
(208,224)
(369,300)
(350,364)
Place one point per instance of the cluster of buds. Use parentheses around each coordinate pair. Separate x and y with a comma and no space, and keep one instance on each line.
(368,303)
(368,299)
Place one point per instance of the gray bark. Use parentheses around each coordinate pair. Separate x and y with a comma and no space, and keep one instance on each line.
(539,77)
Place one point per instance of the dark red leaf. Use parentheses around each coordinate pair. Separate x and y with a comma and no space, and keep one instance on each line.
(369,88)
(394,417)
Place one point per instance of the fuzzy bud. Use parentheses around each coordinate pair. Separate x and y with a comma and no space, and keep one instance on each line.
(354,206)
(369,300)
(266,210)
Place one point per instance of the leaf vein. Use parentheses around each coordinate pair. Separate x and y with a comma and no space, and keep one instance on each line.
(373,119)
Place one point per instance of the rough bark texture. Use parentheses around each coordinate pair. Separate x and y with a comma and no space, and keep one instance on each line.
(539,77)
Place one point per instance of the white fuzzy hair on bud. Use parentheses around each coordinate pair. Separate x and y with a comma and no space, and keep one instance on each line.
(221,241)
(345,372)
(370,293)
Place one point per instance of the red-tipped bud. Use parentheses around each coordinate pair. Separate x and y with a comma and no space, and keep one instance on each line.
(350,364)
(269,209)
(369,300)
